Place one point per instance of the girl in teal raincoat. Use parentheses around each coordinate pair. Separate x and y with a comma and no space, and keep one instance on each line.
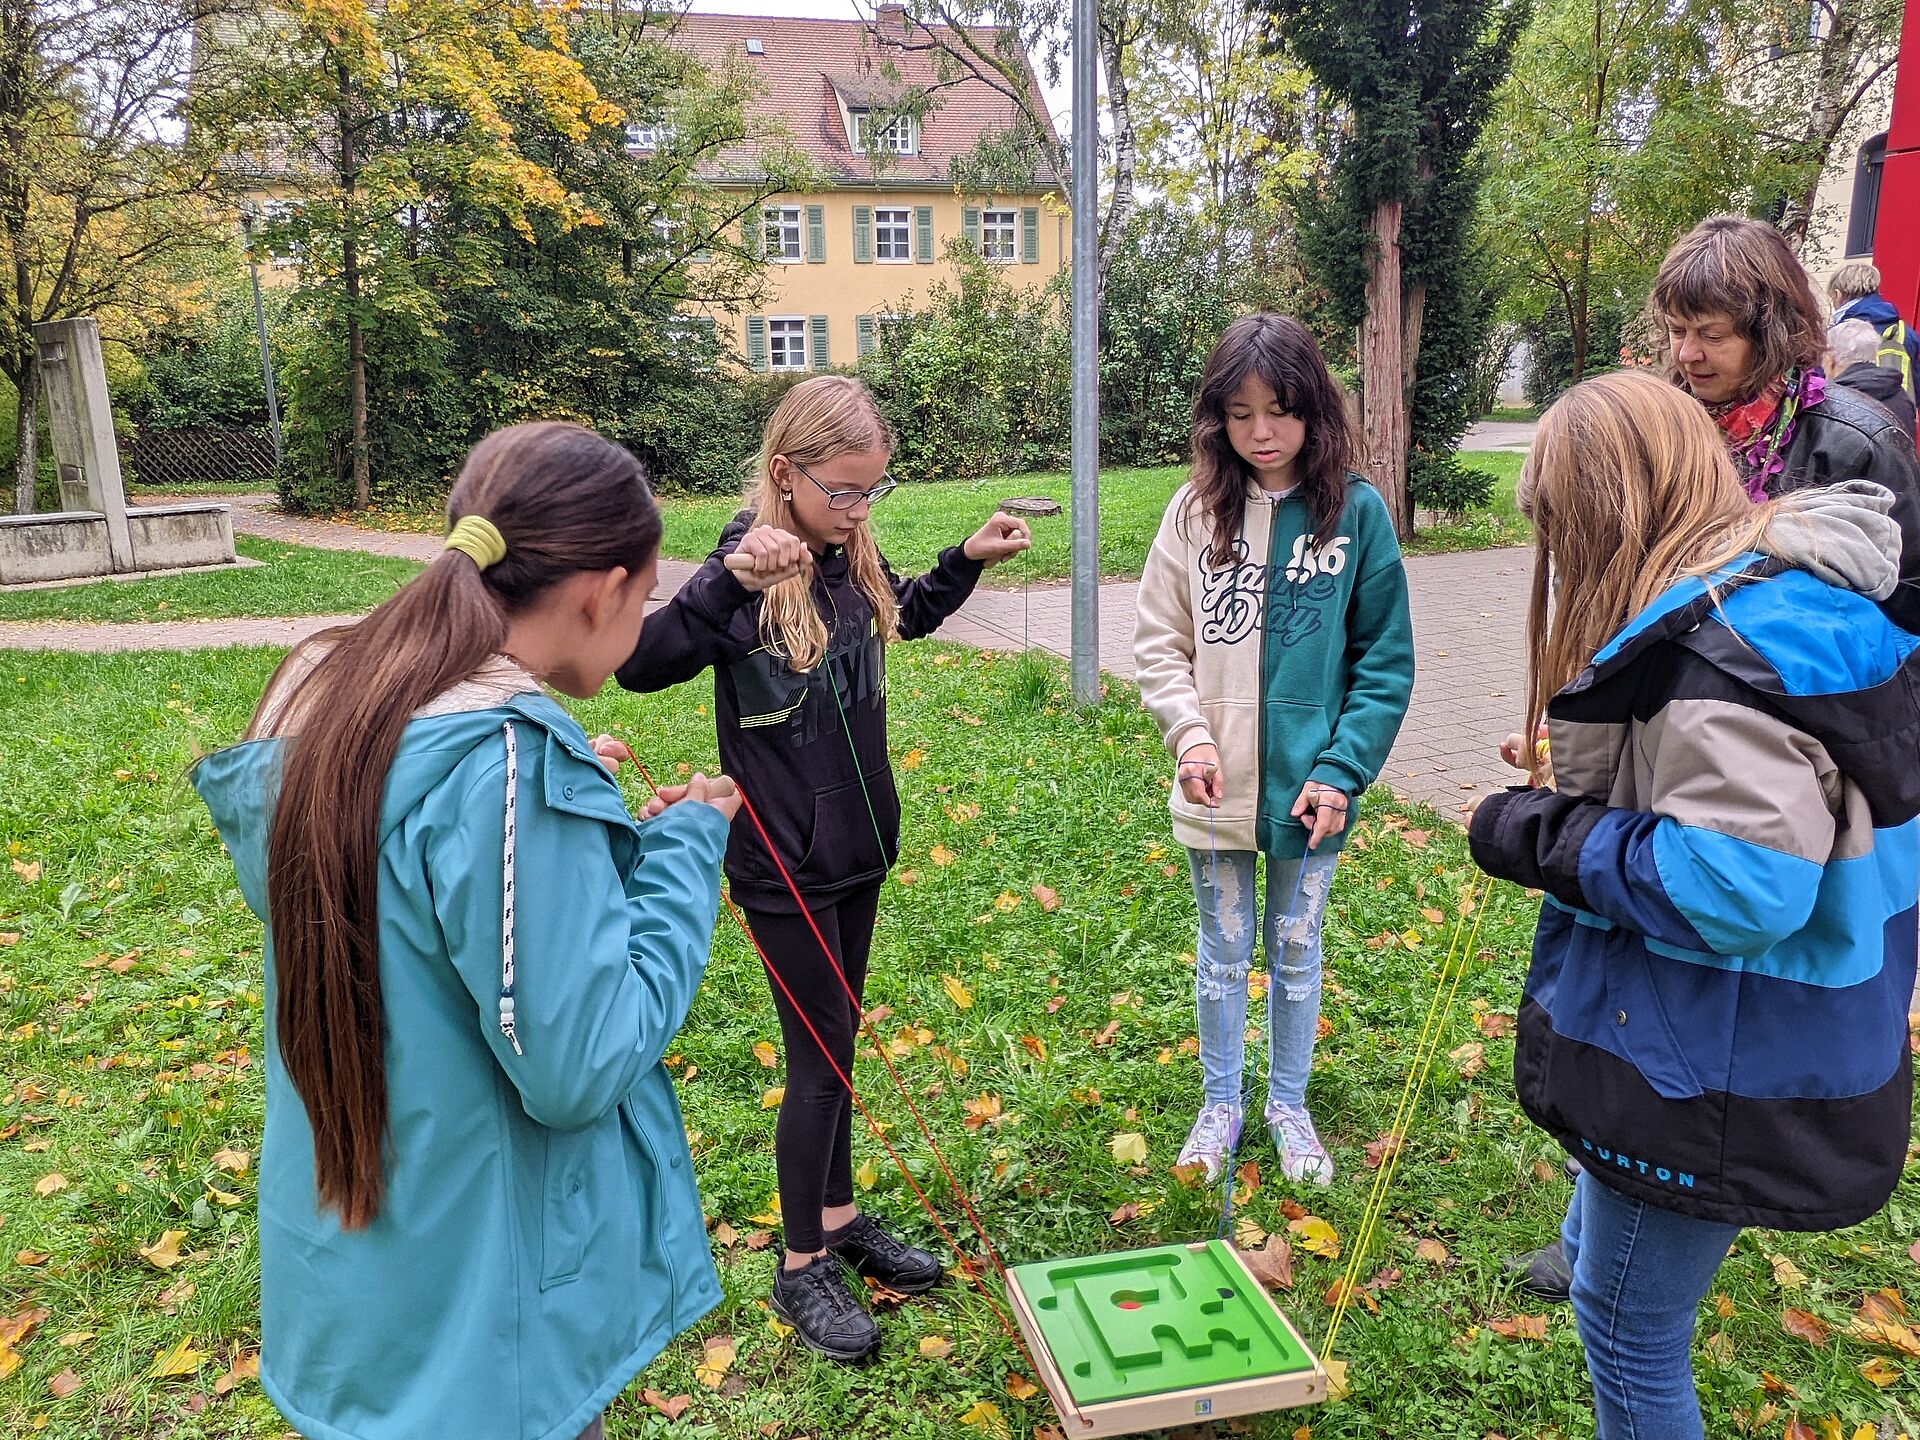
(477,1210)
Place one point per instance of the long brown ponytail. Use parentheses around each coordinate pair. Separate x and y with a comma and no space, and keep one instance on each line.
(565,500)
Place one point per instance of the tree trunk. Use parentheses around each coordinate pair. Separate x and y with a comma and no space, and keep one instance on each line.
(350,283)
(26,460)
(1125,149)
(1384,369)
(1828,115)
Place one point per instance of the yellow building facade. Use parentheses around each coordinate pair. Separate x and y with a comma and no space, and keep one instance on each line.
(842,262)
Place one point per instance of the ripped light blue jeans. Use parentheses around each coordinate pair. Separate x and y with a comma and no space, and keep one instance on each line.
(1225,891)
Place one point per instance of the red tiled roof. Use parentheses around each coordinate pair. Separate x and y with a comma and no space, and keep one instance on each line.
(802,61)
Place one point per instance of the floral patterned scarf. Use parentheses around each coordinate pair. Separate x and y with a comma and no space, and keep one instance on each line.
(1758,431)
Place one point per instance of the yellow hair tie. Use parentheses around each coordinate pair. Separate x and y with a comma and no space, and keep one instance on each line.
(476,537)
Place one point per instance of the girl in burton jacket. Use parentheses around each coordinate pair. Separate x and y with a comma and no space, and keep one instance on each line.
(1715,1021)
(800,705)
(477,1213)
(1275,652)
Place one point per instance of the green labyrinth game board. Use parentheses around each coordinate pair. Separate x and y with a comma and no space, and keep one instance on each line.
(1144,1339)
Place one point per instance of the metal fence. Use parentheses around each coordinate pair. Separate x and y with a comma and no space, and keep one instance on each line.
(203,455)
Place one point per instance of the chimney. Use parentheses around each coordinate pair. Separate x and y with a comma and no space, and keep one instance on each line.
(890,18)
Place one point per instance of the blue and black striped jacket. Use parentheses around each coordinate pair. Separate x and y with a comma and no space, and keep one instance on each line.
(1715,1018)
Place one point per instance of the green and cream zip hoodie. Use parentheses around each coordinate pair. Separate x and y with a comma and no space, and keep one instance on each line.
(1294,661)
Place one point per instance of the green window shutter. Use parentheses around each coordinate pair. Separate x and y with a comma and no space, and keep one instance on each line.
(970,226)
(816,235)
(757,343)
(1030,236)
(863,330)
(923,234)
(753,234)
(817,342)
(863,234)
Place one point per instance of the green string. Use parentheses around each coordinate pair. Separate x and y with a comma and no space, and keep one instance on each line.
(846,729)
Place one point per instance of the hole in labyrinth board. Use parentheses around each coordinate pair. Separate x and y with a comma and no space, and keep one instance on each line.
(1130,1299)
(1225,1293)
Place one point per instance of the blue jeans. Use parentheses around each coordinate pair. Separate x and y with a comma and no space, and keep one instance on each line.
(1224,889)
(1639,1275)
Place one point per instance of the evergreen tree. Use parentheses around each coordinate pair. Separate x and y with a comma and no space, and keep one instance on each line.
(1389,229)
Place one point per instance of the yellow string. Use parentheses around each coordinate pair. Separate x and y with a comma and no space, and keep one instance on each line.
(1426,1051)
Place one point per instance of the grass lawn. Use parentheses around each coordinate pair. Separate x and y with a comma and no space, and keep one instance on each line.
(1501,523)
(291,580)
(920,519)
(1034,1038)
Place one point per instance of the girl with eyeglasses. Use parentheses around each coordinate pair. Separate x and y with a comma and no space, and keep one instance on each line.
(799,662)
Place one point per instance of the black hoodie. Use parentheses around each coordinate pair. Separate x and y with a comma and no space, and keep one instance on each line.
(782,732)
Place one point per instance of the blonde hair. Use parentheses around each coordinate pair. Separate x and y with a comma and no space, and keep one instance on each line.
(1854,279)
(815,421)
(1630,489)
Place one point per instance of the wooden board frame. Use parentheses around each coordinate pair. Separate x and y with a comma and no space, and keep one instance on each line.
(1171,1408)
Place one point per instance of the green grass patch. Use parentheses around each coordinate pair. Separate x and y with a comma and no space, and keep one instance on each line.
(1501,523)
(1513,413)
(130,1027)
(290,580)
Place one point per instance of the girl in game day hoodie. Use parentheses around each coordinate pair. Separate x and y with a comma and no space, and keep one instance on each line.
(1275,653)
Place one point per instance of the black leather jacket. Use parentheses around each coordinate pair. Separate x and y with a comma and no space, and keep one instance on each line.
(1849,437)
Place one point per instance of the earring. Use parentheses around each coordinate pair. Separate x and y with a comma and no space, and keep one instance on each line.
(787,496)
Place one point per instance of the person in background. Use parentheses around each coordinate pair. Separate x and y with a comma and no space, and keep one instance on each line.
(1853,349)
(1855,291)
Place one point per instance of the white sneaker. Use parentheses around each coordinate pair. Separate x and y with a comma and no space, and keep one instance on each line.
(1210,1143)
(1302,1157)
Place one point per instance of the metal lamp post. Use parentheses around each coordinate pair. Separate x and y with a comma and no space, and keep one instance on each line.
(1085,663)
(248,215)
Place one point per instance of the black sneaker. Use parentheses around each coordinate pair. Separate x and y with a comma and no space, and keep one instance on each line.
(815,1301)
(871,1251)
(1543,1274)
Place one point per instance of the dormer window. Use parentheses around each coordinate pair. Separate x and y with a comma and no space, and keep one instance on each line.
(899,135)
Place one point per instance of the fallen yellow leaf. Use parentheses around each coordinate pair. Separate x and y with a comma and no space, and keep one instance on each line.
(182,1359)
(770,1099)
(985,1415)
(164,1253)
(935,1347)
(29,871)
(765,1054)
(913,758)
(1880,1372)
(1021,1388)
(9,1361)
(941,855)
(1786,1274)
(1316,1236)
(222,1197)
(1006,902)
(867,1176)
(1129,1148)
(1336,1378)
(956,992)
(234,1162)
(715,1363)
(1432,1251)
(49,1184)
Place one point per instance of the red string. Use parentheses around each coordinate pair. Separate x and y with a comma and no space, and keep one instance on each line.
(967,1266)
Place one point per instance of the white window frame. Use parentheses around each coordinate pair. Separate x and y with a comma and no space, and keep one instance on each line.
(647,136)
(901,135)
(781,357)
(902,238)
(1000,227)
(786,219)
(666,232)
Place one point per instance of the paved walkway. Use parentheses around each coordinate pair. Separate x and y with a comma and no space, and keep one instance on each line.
(1468,611)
